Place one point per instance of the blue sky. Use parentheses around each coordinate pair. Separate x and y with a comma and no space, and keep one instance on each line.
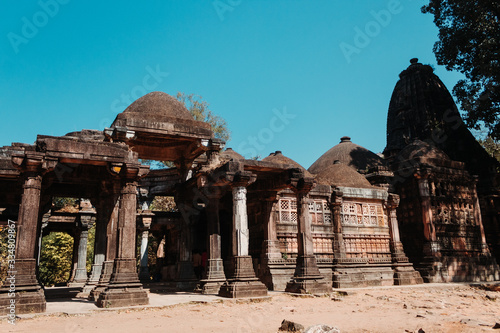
(286,75)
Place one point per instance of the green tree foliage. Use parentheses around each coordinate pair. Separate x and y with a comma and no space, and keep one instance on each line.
(491,146)
(64,203)
(201,112)
(164,204)
(56,258)
(90,248)
(469,42)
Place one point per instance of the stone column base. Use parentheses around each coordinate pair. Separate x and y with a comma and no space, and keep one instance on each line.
(75,284)
(29,296)
(29,301)
(307,278)
(211,286)
(114,297)
(124,289)
(277,274)
(107,271)
(86,290)
(215,277)
(310,286)
(236,289)
(406,275)
(95,274)
(243,282)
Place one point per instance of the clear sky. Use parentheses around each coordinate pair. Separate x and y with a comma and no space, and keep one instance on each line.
(286,75)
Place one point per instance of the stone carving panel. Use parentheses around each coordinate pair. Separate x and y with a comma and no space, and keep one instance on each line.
(367,246)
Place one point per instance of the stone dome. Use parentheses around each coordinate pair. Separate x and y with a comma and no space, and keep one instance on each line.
(161,104)
(349,154)
(230,154)
(341,175)
(278,158)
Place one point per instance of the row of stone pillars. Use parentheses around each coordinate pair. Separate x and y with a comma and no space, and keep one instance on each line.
(243,282)
(115,263)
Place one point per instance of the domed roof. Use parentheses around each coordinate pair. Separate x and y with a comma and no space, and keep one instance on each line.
(278,158)
(422,150)
(349,154)
(230,154)
(340,175)
(161,104)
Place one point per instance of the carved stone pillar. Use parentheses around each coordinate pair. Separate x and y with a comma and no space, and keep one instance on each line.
(146,220)
(185,278)
(397,251)
(143,269)
(241,236)
(99,252)
(307,278)
(29,296)
(338,239)
(479,219)
(85,221)
(106,245)
(125,288)
(215,267)
(74,256)
(80,276)
(270,248)
(431,246)
(243,282)
(271,255)
(404,273)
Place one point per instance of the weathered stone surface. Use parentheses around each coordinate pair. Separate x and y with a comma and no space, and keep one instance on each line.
(290,326)
(421,108)
(243,282)
(321,329)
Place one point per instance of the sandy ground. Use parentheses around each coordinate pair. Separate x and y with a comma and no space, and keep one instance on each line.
(432,308)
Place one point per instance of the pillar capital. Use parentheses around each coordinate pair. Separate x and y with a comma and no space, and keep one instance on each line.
(303,185)
(145,219)
(239,193)
(337,197)
(34,163)
(86,215)
(392,201)
(129,187)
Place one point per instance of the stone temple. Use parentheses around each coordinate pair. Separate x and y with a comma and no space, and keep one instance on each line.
(427,211)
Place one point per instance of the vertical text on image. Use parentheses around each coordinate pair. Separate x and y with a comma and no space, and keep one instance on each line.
(11,272)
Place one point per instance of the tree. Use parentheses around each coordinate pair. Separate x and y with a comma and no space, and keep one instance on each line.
(56,258)
(469,42)
(491,146)
(201,112)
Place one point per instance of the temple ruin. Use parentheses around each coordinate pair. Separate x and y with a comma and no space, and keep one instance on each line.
(426,211)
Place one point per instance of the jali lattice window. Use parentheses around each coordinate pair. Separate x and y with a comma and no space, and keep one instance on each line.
(363,214)
(288,210)
(320,212)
